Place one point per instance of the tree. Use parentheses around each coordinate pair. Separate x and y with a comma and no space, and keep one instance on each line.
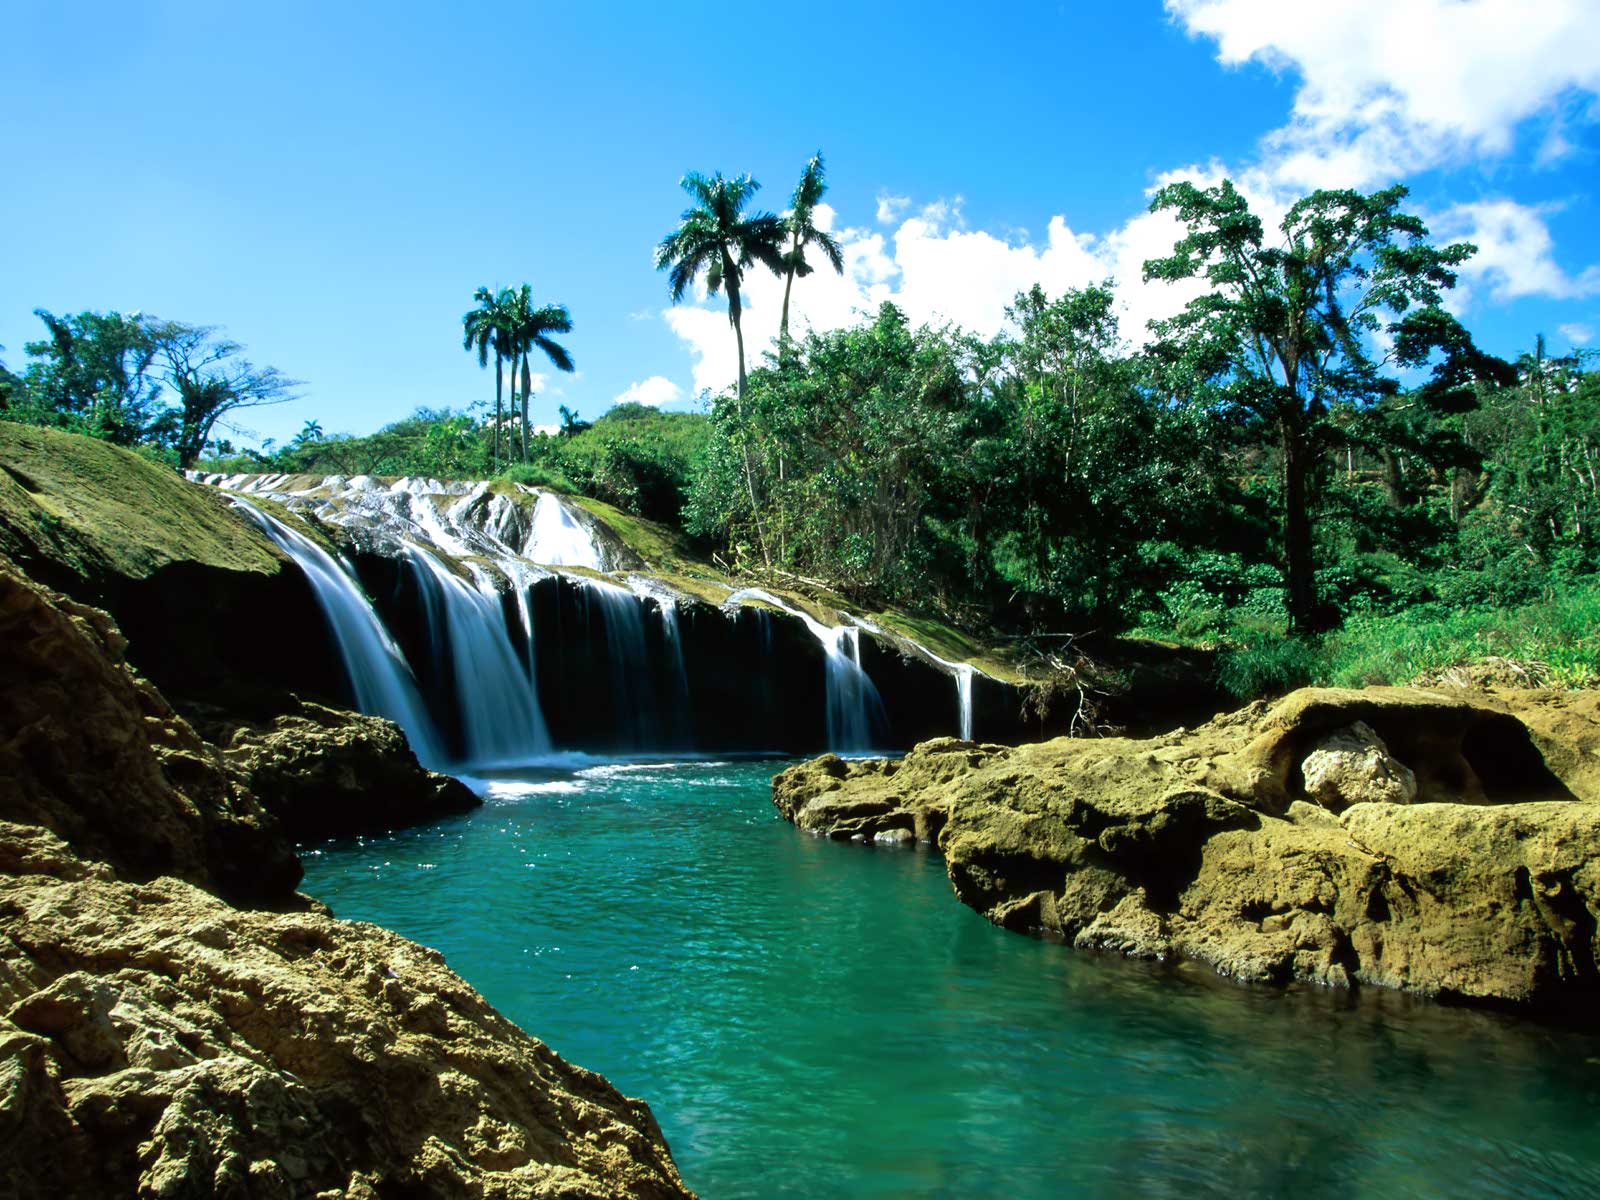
(716,236)
(485,328)
(210,380)
(800,225)
(530,327)
(1289,333)
(94,373)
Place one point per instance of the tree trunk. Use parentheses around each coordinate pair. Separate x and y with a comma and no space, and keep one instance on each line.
(735,311)
(527,381)
(499,392)
(788,286)
(1298,566)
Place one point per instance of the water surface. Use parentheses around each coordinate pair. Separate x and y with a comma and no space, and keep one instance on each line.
(810,1018)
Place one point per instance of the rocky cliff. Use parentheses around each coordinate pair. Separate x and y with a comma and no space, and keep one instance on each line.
(158,1039)
(1436,843)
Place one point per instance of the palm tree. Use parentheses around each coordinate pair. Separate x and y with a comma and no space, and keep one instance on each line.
(486,328)
(717,237)
(531,327)
(802,233)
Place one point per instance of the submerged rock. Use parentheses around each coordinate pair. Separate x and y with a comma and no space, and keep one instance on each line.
(1208,845)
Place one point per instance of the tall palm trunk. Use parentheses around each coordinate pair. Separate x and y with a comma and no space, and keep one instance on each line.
(499,392)
(788,286)
(730,277)
(527,381)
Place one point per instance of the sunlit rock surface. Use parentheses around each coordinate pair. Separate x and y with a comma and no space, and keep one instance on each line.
(1205,844)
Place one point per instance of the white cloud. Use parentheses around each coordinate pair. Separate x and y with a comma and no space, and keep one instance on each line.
(1390,87)
(1577,334)
(1516,254)
(655,391)
(552,429)
(890,207)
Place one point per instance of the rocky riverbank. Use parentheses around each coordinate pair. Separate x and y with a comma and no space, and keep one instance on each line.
(1444,844)
(176,1020)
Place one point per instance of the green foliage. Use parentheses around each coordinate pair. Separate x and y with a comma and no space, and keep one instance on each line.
(137,380)
(1554,642)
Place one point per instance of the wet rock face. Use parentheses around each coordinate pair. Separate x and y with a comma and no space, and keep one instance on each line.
(326,772)
(158,1042)
(1211,844)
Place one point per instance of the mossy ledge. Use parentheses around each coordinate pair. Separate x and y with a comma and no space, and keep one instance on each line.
(1205,845)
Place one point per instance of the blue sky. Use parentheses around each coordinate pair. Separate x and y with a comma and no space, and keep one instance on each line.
(331,182)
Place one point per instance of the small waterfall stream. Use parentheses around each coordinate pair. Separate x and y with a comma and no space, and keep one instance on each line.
(632,690)
(379,674)
(558,539)
(855,717)
(500,716)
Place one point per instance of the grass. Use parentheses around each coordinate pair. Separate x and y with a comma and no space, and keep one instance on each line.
(97,509)
(1550,643)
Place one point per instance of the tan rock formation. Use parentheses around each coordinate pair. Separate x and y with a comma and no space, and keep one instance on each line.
(1203,844)
(158,1042)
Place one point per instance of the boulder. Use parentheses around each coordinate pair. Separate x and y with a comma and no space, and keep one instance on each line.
(1208,844)
(327,772)
(1353,766)
(92,752)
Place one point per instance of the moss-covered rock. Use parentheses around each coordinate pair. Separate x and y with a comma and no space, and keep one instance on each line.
(1204,844)
(209,606)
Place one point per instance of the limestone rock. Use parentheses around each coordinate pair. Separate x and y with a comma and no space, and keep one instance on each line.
(1353,766)
(1206,844)
(278,1054)
(325,772)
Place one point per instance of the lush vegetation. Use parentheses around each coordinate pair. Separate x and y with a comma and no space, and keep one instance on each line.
(1312,467)
(137,381)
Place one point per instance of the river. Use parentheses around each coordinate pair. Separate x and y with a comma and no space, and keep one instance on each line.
(808,1018)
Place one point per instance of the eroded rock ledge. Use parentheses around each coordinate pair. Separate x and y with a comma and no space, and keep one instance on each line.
(156,1039)
(1205,844)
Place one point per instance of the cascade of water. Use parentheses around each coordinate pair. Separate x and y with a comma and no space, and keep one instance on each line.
(855,714)
(558,539)
(964,673)
(678,670)
(500,716)
(379,674)
(634,700)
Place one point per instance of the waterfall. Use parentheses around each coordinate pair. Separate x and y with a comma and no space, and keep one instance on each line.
(678,704)
(558,539)
(633,697)
(500,716)
(379,675)
(964,673)
(855,715)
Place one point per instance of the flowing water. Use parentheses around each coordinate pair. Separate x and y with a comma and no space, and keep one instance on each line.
(808,1018)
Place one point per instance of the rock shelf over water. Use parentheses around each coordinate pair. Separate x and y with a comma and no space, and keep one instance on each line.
(1204,844)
